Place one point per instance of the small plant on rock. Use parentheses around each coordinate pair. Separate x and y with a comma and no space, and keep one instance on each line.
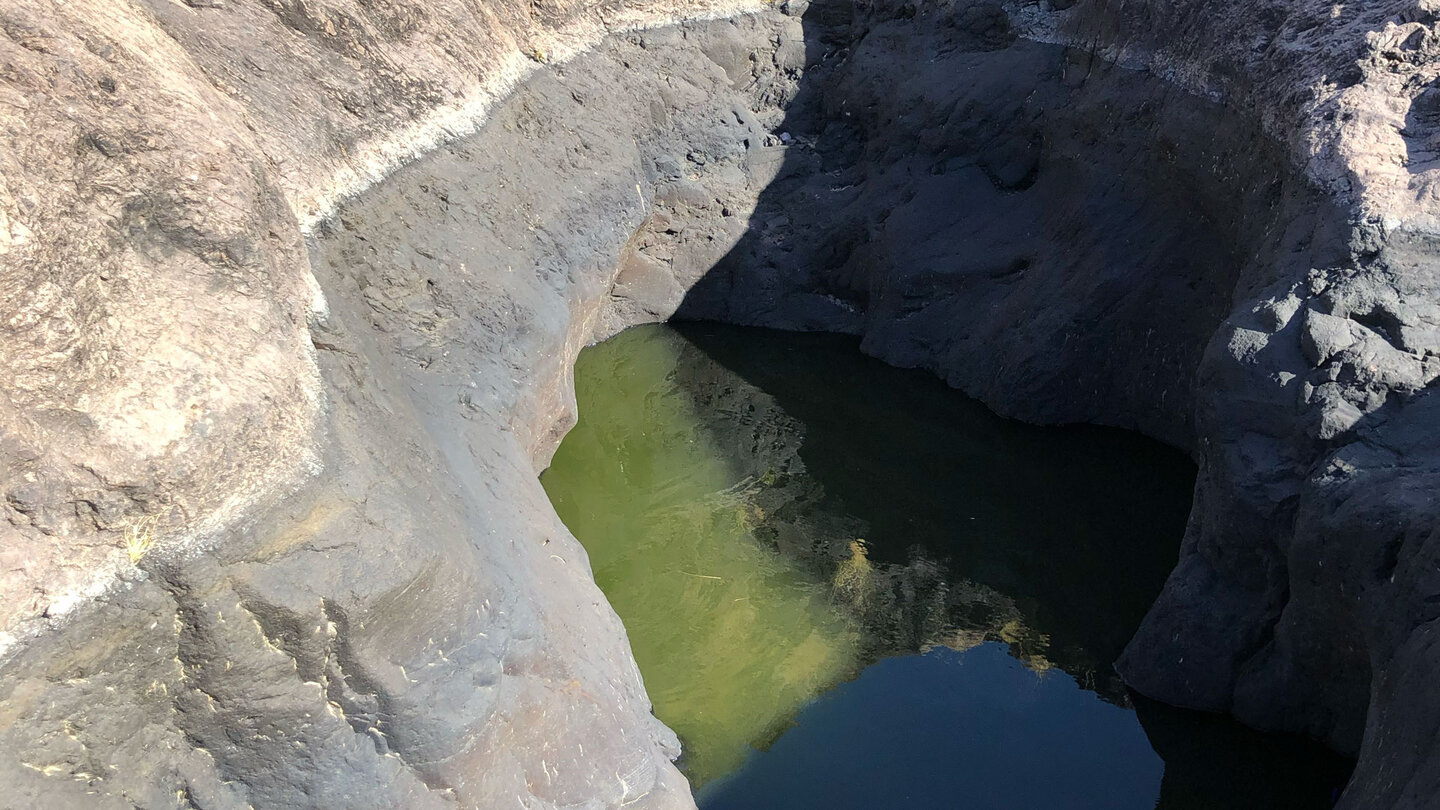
(854,579)
(140,536)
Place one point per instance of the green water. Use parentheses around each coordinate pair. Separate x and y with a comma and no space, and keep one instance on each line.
(731,637)
(803,542)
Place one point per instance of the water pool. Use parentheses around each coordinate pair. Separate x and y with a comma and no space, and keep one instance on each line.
(847,585)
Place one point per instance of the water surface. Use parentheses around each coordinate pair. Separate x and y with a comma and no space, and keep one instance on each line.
(847,585)
(947,729)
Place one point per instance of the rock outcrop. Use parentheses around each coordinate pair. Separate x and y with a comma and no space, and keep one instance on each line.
(249,561)
(1307,590)
(272,533)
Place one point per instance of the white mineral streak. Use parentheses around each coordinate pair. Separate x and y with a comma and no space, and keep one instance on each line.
(316,200)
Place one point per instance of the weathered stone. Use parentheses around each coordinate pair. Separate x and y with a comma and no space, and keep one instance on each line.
(1323,336)
(357,595)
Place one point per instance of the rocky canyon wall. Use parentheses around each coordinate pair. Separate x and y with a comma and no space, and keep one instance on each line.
(293,290)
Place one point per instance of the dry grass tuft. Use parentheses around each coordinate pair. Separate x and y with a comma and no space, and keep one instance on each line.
(854,579)
(140,536)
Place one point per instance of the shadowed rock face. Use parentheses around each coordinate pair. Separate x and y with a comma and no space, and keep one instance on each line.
(1209,221)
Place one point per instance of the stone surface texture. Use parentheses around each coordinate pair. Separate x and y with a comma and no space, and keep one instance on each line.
(344,588)
(292,289)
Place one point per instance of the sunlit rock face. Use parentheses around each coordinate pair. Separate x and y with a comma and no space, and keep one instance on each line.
(245,564)
(272,532)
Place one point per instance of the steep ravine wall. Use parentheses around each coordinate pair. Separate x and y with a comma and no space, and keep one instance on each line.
(1307,585)
(359,596)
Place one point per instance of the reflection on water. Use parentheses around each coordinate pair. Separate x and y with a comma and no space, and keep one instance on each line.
(946,730)
(772,513)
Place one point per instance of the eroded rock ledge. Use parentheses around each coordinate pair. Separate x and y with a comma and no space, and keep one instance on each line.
(1208,221)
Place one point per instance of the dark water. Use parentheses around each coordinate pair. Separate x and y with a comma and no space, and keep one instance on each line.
(949,729)
(849,586)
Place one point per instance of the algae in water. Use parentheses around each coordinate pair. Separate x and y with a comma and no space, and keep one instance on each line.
(731,638)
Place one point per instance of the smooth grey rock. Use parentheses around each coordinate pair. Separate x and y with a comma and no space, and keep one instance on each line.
(1323,336)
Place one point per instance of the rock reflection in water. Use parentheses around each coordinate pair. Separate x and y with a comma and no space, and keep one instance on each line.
(935,521)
